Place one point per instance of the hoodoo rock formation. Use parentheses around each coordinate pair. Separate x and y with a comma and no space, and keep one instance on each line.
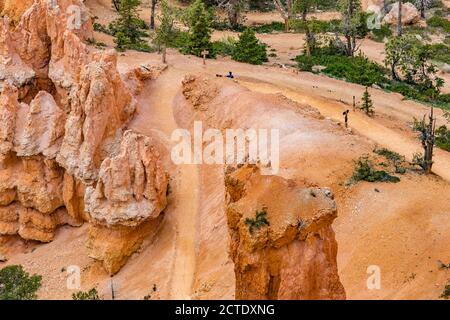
(64,157)
(127,201)
(410,14)
(290,251)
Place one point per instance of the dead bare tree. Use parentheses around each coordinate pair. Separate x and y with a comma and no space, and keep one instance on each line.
(234,9)
(399,18)
(116,4)
(427,137)
(286,10)
(152,14)
(349,10)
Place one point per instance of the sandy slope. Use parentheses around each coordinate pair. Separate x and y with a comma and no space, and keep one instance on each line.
(402,228)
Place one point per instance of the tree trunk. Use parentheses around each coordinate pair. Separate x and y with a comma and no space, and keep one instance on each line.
(422,9)
(164,54)
(286,24)
(399,19)
(152,15)
(394,73)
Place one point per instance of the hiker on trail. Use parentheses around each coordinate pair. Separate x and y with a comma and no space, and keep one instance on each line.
(229,75)
(345,113)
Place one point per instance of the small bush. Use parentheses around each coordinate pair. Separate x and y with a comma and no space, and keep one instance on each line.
(443,138)
(17,284)
(179,39)
(380,34)
(446,294)
(88,295)
(259,221)
(316,26)
(390,155)
(128,29)
(269,27)
(440,52)
(394,158)
(439,22)
(101,28)
(225,47)
(357,69)
(249,49)
(364,171)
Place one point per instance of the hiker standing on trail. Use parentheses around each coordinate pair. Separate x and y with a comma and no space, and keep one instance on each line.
(345,113)
(230,75)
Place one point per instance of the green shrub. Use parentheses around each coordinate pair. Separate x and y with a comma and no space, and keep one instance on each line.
(305,63)
(382,33)
(316,26)
(357,69)
(443,138)
(199,21)
(17,284)
(364,171)
(446,293)
(249,49)
(179,39)
(439,22)
(101,28)
(367,103)
(440,52)
(394,158)
(128,29)
(269,27)
(225,47)
(259,221)
(390,155)
(88,295)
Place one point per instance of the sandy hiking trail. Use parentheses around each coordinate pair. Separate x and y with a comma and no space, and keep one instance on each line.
(156,114)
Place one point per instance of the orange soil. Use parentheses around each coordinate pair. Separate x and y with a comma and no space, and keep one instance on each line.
(402,228)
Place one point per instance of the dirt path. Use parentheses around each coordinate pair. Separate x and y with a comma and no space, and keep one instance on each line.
(364,125)
(155,114)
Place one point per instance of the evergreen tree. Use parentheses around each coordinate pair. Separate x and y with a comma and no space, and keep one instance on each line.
(367,104)
(128,28)
(166,31)
(199,22)
(351,21)
(17,284)
(249,49)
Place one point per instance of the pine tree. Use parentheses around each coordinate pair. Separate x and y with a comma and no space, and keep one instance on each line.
(249,49)
(367,104)
(128,27)
(199,22)
(166,31)
(350,10)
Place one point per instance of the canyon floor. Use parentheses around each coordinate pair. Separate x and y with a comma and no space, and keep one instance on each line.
(402,227)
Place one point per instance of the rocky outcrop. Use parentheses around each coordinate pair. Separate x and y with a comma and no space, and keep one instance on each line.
(282,242)
(135,78)
(372,5)
(99,107)
(64,158)
(31,224)
(410,14)
(130,192)
(131,187)
(113,245)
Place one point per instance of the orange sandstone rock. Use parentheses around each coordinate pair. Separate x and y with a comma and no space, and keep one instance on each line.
(293,256)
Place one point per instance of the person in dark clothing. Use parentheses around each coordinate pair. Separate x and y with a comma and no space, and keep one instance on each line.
(230,75)
(345,113)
